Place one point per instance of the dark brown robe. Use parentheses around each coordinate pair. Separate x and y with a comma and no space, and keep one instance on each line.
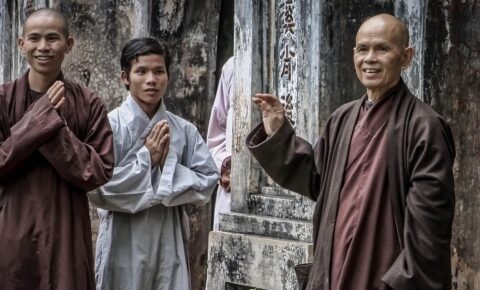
(420,155)
(48,161)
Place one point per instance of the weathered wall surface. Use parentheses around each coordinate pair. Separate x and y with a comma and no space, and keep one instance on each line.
(452,86)
(100,29)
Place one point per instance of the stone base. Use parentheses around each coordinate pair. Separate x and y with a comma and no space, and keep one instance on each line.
(253,261)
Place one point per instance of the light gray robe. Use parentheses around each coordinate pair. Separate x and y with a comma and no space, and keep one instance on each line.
(143,235)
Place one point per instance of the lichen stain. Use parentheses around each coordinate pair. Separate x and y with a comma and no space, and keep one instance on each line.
(231,258)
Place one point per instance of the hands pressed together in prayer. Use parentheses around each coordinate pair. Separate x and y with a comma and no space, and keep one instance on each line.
(56,94)
(273,113)
(157,142)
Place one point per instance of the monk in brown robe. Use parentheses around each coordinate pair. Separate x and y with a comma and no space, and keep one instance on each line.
(381,175)
(55,145)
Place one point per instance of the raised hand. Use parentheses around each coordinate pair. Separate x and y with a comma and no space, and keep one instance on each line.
(56,94)
(157,142)
(273,113)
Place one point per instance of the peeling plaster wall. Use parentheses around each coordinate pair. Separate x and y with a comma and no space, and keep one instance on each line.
(452,86)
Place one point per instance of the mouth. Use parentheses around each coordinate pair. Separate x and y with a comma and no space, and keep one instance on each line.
(371,70)
(44,57)
(151,91)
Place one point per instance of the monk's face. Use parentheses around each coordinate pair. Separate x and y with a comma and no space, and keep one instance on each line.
(380,55)
(44,44)
(147,80)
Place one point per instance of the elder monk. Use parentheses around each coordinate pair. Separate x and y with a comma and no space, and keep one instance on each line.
(55,145)
(381,175)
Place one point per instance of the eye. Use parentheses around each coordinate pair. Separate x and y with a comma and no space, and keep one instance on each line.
(360,49)
(52,38)
(33,38)
(382,48)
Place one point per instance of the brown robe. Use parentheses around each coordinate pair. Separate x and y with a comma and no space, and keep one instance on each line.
(420,155)
(48,161)
(365,234)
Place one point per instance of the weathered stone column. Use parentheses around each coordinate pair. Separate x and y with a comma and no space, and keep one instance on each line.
(268,230)
(6,43)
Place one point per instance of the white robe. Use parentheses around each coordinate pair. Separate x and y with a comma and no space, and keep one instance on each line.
(219,136)
(143,234)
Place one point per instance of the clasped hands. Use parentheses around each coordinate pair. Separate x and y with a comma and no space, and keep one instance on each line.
(157,142)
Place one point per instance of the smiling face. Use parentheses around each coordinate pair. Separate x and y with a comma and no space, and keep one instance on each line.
(380,54)
(44,45)
(147,81)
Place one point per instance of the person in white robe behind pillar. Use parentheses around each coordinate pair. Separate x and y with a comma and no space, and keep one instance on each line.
(219,138)
(161,164)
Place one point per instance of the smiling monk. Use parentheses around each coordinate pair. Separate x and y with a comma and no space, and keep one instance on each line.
(381,174)
(55,145)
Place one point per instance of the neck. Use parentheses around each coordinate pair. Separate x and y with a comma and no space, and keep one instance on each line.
(41,82)
(377,94)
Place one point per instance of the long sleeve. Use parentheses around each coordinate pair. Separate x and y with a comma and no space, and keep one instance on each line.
(219,126)
(37,126)
(430,205)
(284,153)
(189,176)
(88,163)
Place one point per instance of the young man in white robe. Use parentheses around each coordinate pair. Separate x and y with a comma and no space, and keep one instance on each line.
(161,163)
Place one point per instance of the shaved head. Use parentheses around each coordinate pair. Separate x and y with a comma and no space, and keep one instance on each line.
(391,23)
(48,12)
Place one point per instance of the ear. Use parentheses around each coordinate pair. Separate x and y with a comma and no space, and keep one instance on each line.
(70,43)
(20,43)
(125,78)
(407,56)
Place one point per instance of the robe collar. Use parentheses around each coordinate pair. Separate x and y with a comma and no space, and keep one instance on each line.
(22,102)
(138,123)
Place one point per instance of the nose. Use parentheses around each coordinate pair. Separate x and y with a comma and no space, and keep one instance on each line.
(151,78)
(371,56)
(43,45)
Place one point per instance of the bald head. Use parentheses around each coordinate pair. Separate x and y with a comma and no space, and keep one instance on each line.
(51,13)
(391,25)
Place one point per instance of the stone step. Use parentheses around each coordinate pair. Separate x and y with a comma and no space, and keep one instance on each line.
(276,190)
(281,206)
(254,261)
(280,228)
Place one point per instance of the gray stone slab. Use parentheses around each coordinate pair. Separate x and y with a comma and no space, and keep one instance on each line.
(281,206)
(257,262)
(276,190)
(266,226)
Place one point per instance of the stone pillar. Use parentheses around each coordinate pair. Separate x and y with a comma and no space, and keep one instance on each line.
(7,40)
(268,230)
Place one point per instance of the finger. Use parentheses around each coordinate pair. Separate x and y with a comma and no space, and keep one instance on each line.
(60,103)
(54,88)
(271,99)
(166,141)
(153,133)
(58,95)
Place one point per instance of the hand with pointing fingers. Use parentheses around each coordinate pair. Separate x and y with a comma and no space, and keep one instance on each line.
(273,113)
